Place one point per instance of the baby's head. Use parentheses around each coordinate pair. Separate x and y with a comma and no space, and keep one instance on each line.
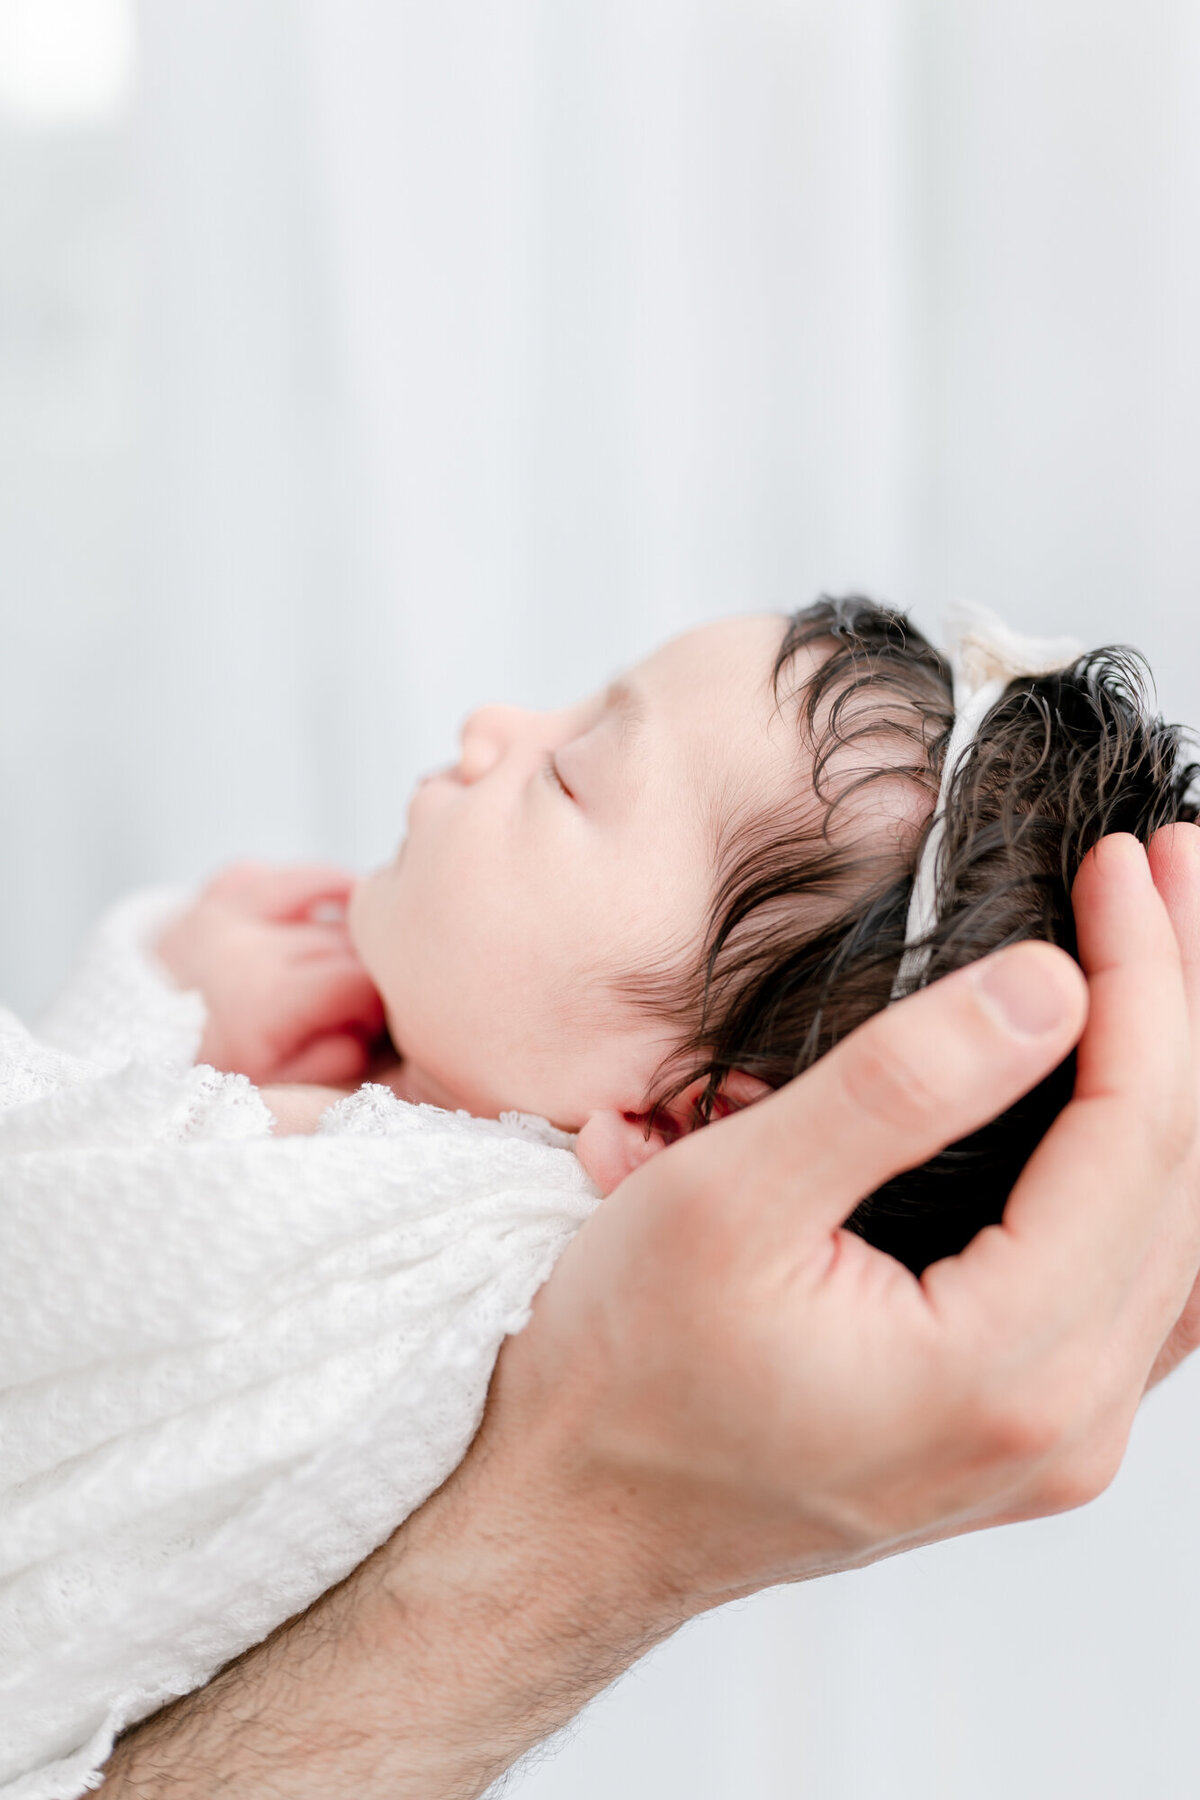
(539,941)
(638,912)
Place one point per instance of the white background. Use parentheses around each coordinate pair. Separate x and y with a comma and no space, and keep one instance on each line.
(363,359)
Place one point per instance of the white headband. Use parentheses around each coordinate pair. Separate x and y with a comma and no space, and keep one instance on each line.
(984,655)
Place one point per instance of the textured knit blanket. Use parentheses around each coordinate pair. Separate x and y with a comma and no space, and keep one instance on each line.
(230,1365)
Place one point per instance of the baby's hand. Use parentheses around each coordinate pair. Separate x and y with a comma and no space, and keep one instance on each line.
(287,998)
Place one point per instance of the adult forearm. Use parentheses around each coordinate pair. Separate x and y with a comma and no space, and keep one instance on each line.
(478,1630)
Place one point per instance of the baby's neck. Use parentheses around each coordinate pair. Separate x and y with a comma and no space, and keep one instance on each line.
(408,1082)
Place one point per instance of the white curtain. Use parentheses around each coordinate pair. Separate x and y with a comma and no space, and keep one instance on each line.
(482,344)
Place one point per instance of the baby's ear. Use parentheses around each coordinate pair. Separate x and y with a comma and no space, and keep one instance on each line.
(737,1090)
(611,1145)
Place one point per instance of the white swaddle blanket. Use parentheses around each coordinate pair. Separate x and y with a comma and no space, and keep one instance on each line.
(230,1364)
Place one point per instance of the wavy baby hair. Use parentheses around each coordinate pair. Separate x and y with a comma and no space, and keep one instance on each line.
(807,929)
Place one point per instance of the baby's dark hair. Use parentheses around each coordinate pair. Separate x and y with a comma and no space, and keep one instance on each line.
(807,929)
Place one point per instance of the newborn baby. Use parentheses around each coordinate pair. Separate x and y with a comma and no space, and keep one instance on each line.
(637,913)
(254,1302)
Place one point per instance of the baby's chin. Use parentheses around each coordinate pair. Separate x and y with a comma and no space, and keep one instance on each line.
(365,928)
(354,906)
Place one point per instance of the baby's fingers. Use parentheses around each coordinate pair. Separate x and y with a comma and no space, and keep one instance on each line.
(335,1059)
(290,892)
(331,993)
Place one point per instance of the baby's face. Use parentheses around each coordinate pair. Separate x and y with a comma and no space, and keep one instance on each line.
(566,852)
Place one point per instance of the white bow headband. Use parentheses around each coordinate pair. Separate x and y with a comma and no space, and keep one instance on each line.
(984,655)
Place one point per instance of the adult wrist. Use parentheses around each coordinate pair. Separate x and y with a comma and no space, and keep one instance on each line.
(544,1589)
(483,1626)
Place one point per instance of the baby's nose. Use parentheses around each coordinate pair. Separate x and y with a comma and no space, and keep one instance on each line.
(486,735)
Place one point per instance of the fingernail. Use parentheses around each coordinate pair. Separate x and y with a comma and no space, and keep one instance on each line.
(1025,990)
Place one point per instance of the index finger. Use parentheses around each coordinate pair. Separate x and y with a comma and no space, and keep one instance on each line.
(1094,1195)
(1174,854)
(283,893)
(912,1079)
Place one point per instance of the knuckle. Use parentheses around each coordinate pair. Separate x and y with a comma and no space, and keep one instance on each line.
(1070,1486)
(1022,1428)
(879,1081)
(1163,1123)
(1186,1336)
(1077,1479)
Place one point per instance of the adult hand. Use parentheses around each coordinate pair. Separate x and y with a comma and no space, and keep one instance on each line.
(760,1396)
(1175,863)
(720,1388)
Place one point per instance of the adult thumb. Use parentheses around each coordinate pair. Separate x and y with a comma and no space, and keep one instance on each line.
(913,1079)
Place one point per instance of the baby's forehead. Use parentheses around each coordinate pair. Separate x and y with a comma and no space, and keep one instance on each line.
(716,694)
(761,726)
(837,749)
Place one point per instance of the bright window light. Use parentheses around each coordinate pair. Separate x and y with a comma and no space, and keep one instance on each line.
(65,62)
